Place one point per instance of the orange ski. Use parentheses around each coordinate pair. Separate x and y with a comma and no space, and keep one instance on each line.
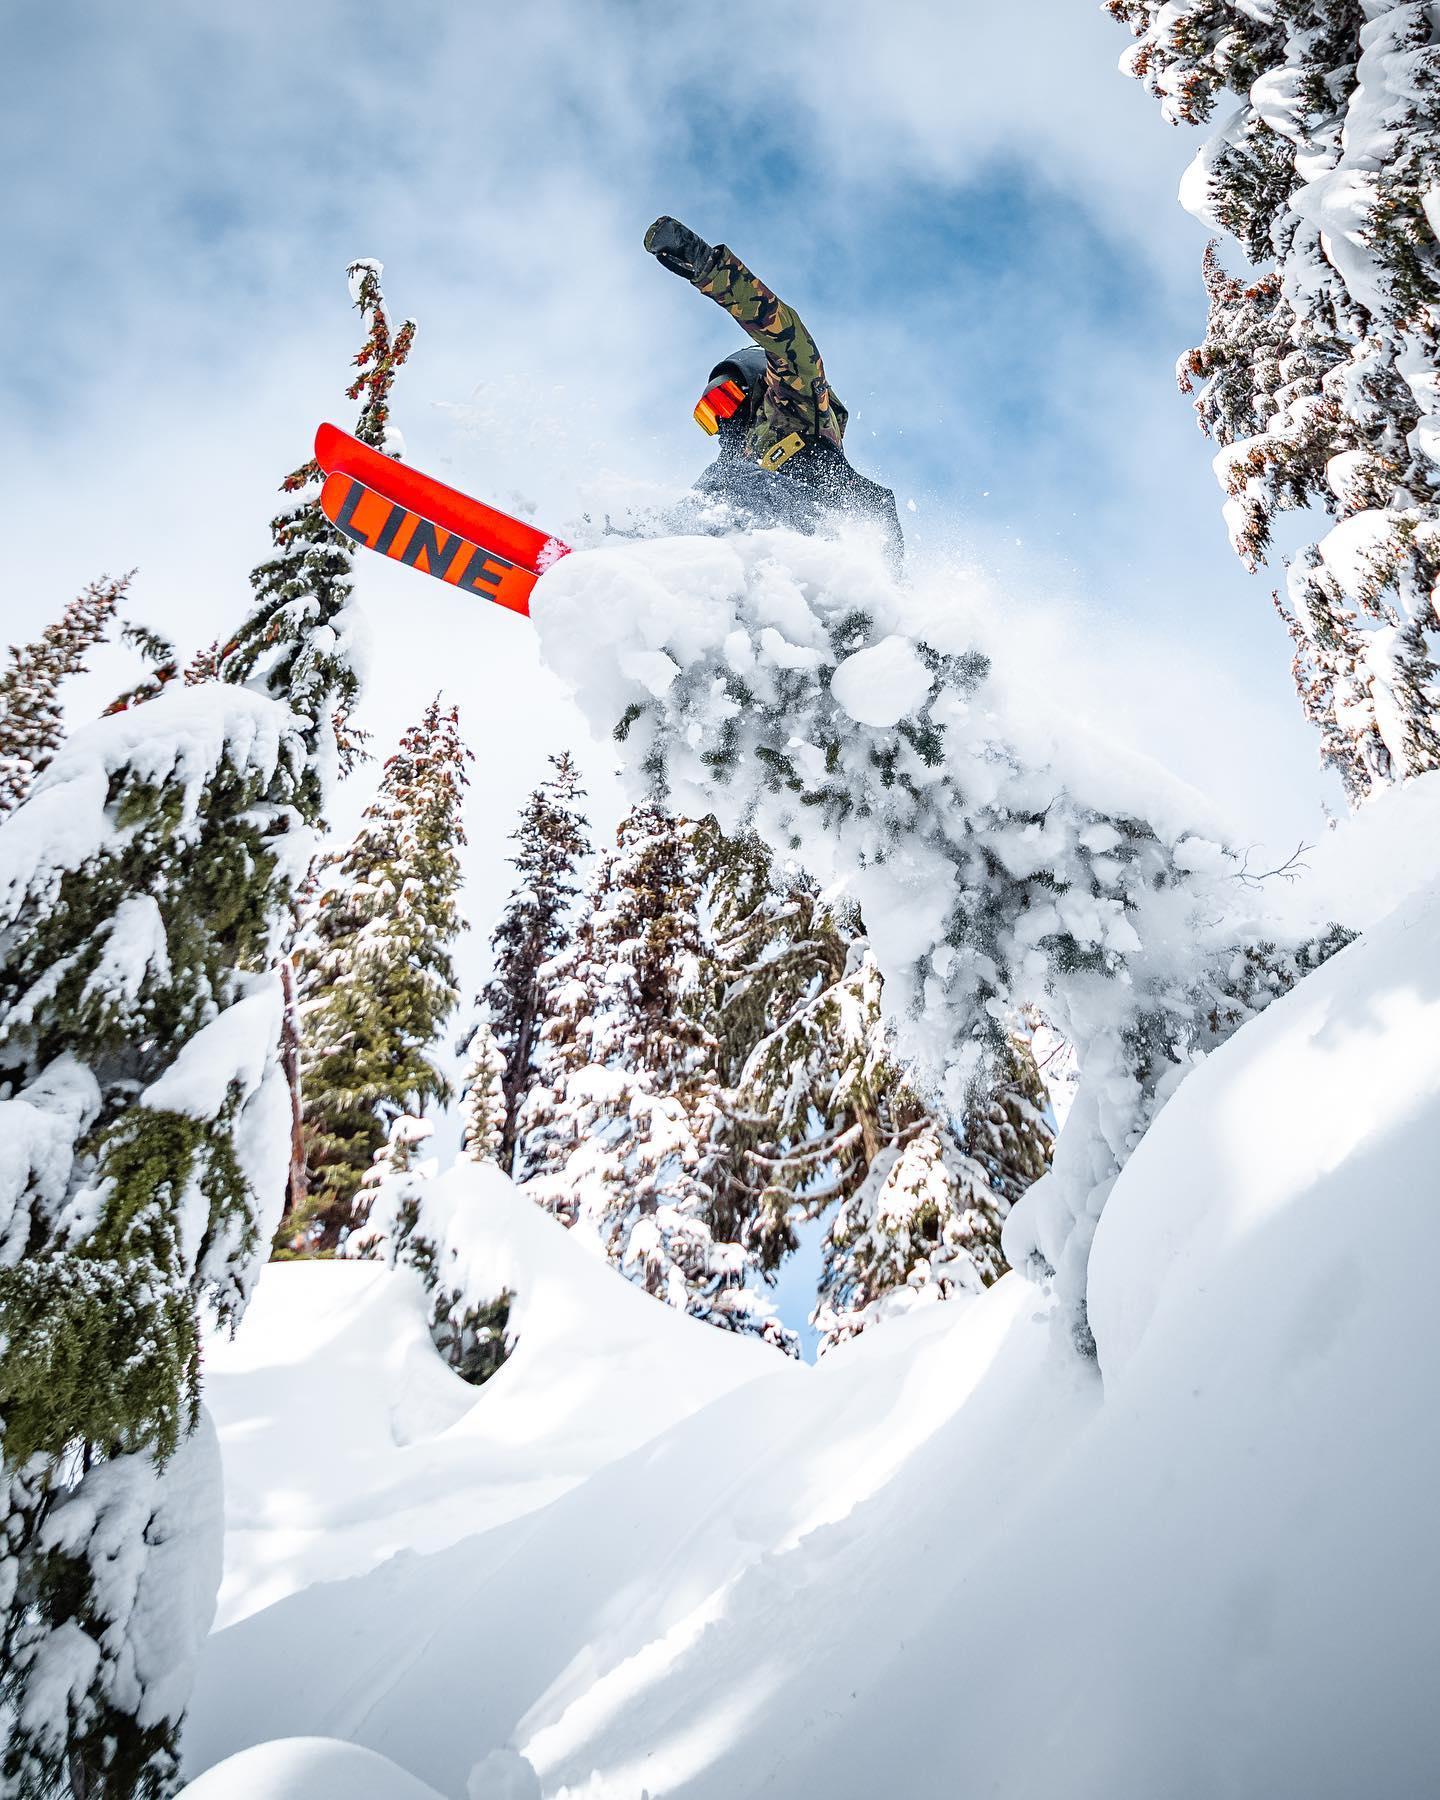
(511,540)
(397,531)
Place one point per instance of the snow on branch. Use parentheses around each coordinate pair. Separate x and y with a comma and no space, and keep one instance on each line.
(179,741)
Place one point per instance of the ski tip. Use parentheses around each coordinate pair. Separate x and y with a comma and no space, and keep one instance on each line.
(326,438)
(550,553)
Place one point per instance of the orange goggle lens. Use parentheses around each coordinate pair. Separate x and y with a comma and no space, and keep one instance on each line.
(722,401)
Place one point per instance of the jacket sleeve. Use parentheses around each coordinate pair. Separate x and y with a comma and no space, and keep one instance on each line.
(797,394)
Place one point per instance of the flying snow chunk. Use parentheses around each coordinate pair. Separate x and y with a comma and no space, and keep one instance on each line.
(653,669)
(1197,854)
(881,685)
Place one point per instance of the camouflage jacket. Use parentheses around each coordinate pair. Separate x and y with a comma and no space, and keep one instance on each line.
(797,396)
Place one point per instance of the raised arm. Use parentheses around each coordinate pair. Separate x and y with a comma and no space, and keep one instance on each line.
(797,393)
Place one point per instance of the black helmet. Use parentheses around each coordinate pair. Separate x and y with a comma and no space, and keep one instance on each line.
(732,395)
(747,366)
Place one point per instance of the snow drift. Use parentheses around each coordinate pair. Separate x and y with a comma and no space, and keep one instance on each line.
(951,1557)
(346,1437)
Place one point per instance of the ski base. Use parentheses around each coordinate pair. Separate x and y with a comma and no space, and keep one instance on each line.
(508,539)
(406,536)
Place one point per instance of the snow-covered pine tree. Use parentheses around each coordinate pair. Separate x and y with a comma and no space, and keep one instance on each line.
(297,638)
(31,715)
(814,1110)
(614,1129)
(1009,1125)
(146,885)
(414,1221)
(299,629)
(533,930)
(624,1060)
(405,1136)
(925,1221)
(840,1125)
(375,977)
(922,1225)
(1322,374)
(484,1097)
(781,1016)
(547,1127)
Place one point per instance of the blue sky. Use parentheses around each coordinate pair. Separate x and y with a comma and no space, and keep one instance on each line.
(976,218)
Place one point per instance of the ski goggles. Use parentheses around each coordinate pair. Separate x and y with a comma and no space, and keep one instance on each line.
(722,401)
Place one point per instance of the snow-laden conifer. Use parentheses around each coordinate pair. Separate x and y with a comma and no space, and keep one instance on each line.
(614,1130)
(921,1226)
(300,636)
(924,1219)
(532,931)
(483,1097)
(146,886)
(1009,1124)
(405,1137)
(375,976)
(783,1021)
(613,1123)
(1320,375)
(31,713)
(814,1110)
(414,1222)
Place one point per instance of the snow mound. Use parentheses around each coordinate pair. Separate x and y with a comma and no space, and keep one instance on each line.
(742,1519)
(1362,870)
(307,1768)
(333,1380)
(1306,1113)
(945,1558)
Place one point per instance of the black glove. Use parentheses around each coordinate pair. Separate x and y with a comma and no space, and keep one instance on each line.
(677,247)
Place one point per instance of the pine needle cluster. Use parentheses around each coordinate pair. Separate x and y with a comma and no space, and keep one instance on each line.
(375,976)
(32,724)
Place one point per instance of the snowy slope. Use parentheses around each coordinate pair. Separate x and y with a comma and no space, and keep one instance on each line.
(345,1438)
(599,1596)
(947,1561)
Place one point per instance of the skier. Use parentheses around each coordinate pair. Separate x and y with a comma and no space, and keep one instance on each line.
(780,428)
